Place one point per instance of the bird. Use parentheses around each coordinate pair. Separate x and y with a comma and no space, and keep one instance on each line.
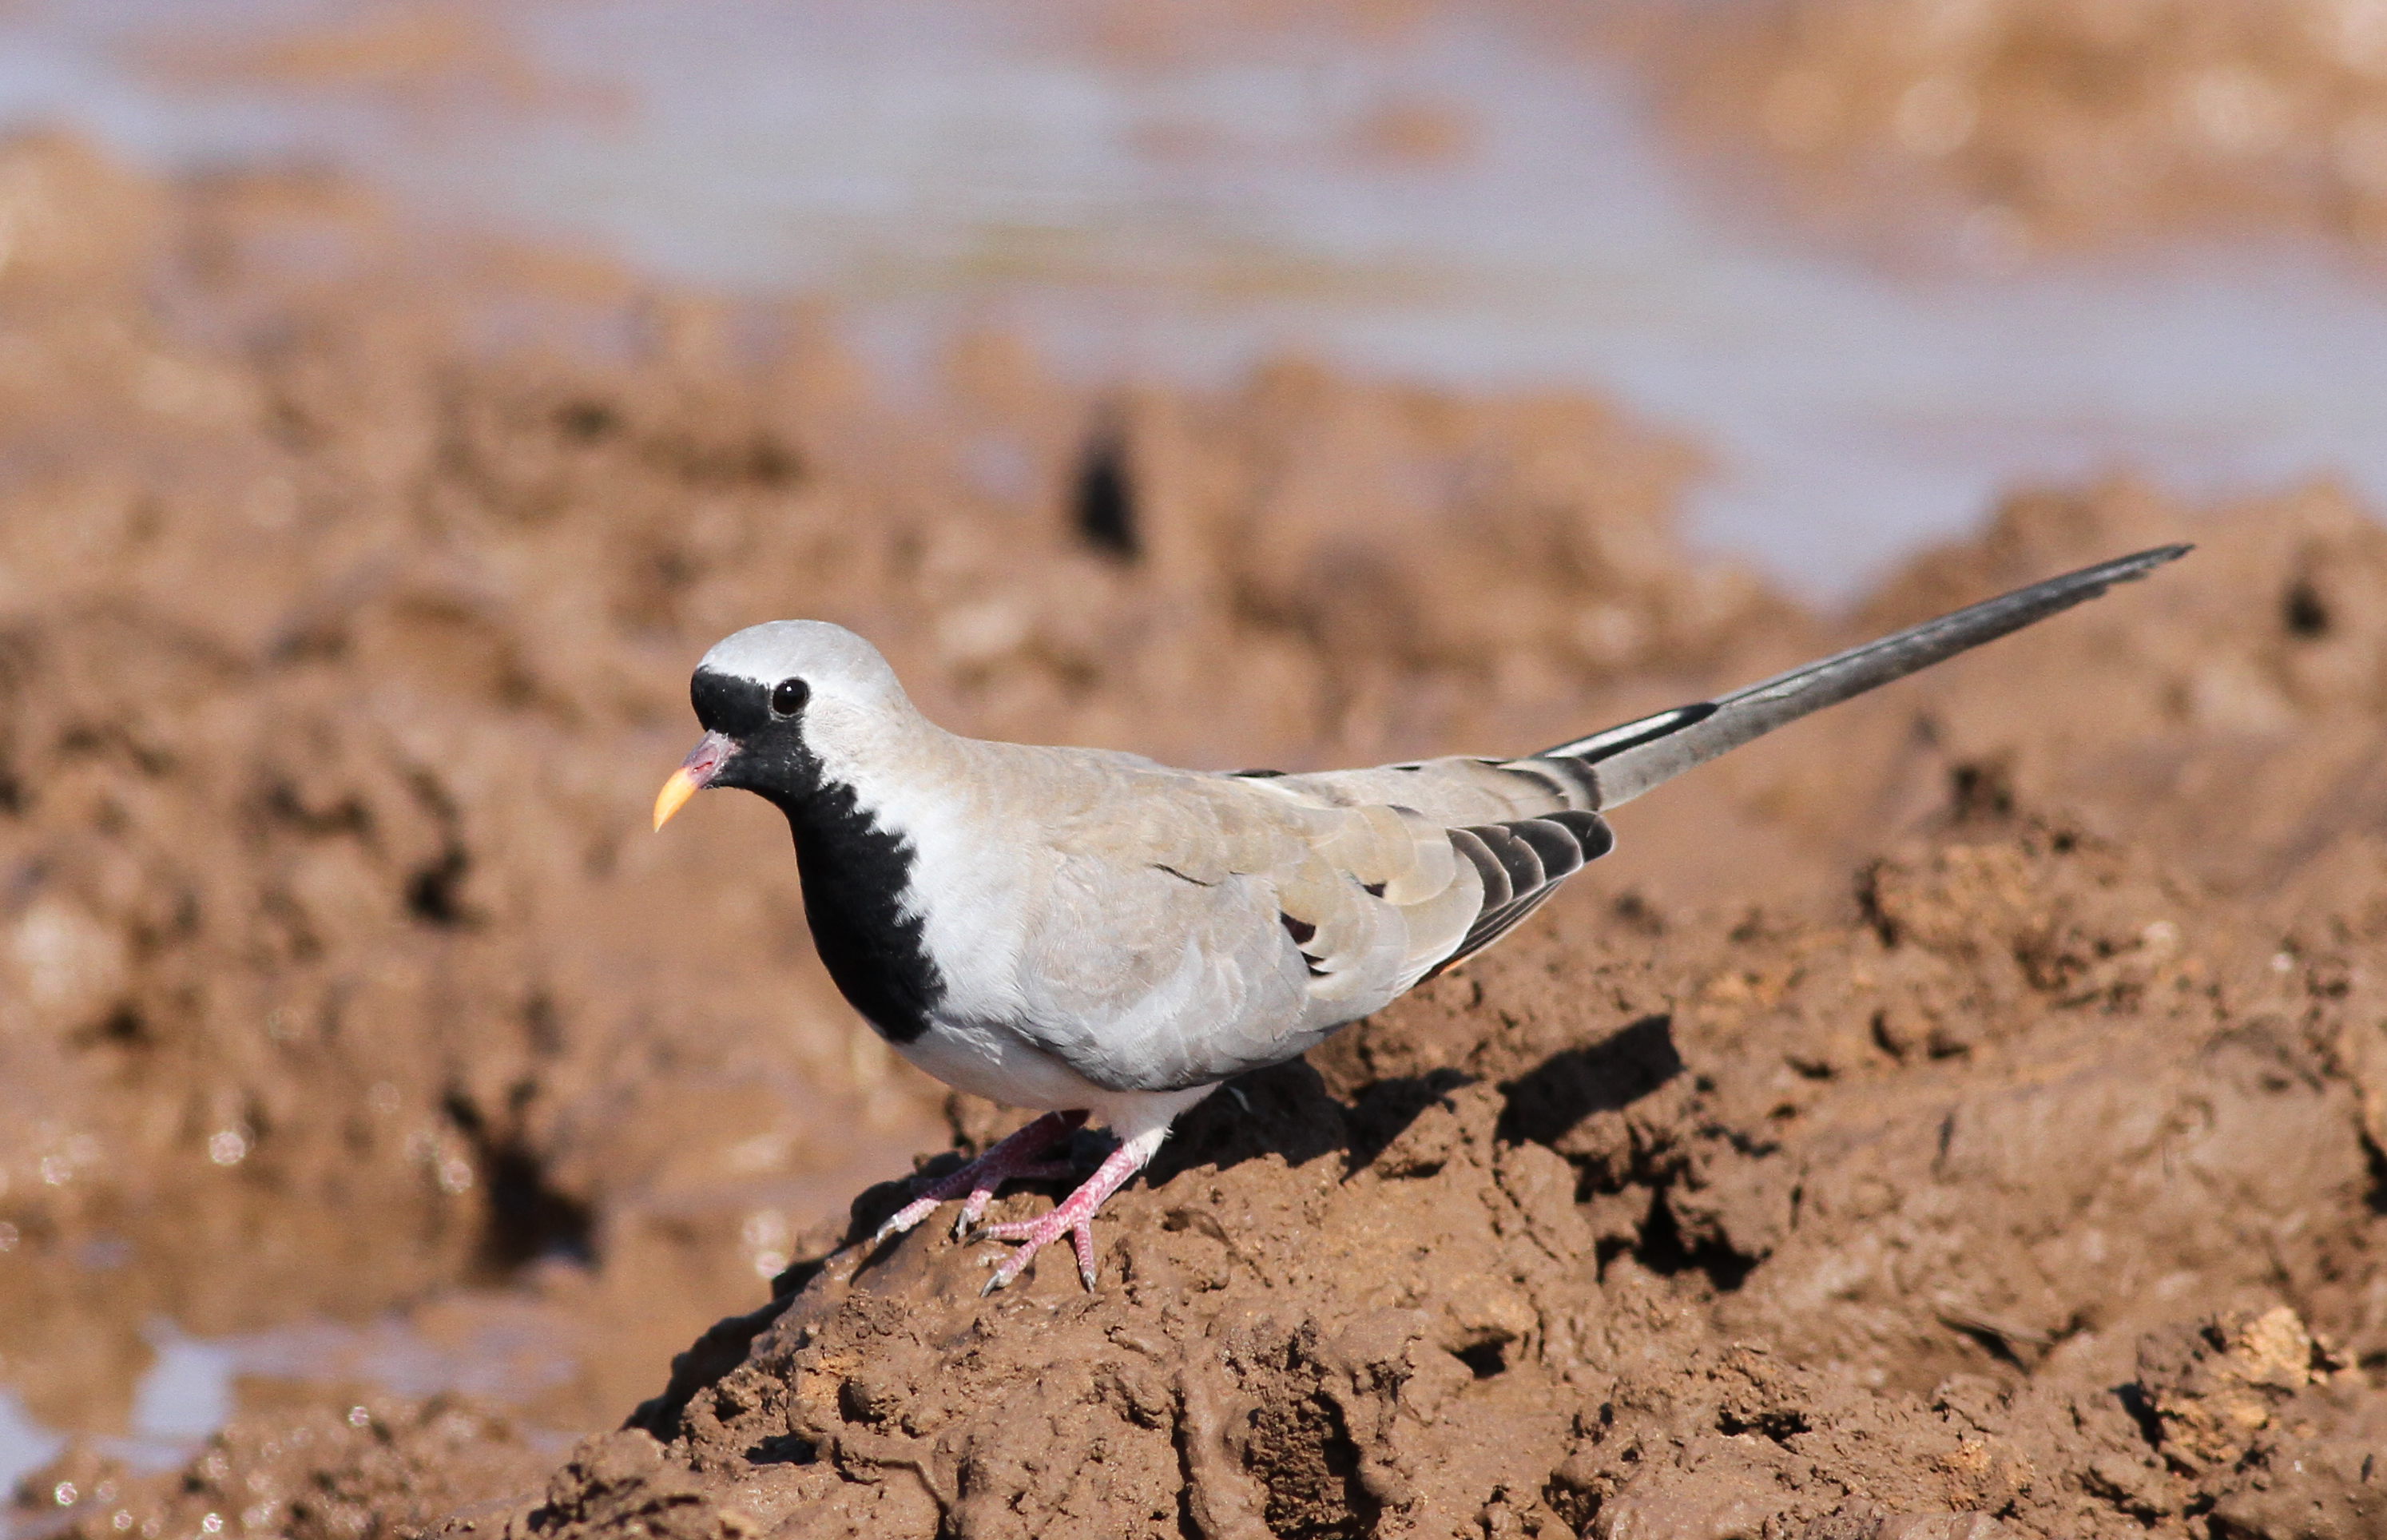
(1090,934)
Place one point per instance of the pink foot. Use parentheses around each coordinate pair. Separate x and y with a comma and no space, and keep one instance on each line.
(977,1182)
(1074,1217)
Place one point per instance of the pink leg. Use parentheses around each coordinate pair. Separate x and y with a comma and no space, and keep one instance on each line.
(977,1182)
(1075,1215)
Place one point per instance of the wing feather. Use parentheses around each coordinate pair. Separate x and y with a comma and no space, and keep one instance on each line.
(1371,895)
(1565,842)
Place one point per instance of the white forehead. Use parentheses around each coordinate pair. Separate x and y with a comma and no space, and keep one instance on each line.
(813,651)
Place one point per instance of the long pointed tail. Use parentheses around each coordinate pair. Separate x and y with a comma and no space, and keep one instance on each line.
(1631,758)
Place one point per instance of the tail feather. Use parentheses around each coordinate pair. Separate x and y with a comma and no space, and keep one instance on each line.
(1631,758)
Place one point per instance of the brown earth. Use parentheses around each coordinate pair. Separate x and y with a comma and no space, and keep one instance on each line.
(2045,123)
(1974,1103)
(2038,1181)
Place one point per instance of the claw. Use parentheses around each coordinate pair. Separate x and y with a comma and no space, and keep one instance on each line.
(977,1181)
(904,1218)
(974,1206)
(1073,1216)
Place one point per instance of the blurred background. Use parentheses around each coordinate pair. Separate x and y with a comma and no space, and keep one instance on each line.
(1878,259)
(396,398)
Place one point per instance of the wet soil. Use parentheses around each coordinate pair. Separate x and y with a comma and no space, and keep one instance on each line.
(1995,130)
(1964,1114)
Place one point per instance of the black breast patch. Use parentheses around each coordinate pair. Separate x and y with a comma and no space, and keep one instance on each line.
(854,875)
(854,870)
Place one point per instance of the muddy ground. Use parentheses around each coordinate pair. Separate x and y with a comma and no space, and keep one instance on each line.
(1967,1113)
(1997,130)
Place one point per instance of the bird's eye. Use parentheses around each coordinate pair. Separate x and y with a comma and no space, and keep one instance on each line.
(788,697)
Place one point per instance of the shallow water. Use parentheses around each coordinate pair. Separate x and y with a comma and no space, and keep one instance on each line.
(1156,204)
(186,1395)
(25,1445)
(504,1354)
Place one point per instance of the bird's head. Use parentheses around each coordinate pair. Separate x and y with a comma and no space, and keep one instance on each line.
(784,705)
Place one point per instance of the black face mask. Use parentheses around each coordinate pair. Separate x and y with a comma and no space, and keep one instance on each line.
(766,723)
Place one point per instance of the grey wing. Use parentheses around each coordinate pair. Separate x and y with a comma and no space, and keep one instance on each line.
(1527,824)
(1145,978)
(1522,825)
(1522,862)
(1198,926)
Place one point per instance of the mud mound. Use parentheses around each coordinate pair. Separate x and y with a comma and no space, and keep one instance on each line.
(2028,124)
(2031,1185)
(1798,1229)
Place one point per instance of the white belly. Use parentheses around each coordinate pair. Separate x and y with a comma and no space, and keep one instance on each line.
(1000,1067)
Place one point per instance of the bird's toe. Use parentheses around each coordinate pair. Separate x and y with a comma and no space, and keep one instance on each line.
(904,1218)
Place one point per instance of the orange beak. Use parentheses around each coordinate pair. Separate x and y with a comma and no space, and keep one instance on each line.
(673,796)
(692,777)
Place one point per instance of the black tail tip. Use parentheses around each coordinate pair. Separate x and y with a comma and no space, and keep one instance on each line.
(2124,569)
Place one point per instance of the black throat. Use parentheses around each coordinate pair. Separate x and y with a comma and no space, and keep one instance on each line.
(855,871)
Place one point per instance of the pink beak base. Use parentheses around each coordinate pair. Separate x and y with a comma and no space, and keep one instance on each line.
(703,763)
